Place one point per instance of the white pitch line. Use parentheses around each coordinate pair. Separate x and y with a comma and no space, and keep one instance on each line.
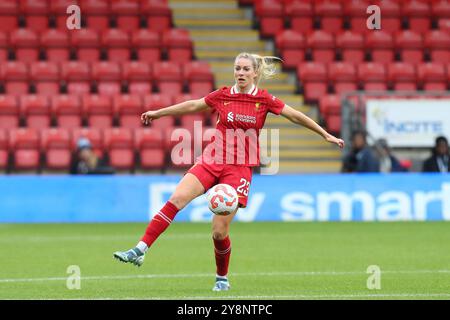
(203,275)
(271,297)
(101,238)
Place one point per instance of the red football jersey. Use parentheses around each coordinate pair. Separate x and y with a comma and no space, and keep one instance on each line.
(241,117)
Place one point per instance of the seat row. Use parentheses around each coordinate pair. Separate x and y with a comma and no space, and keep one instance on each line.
(94,111)
(96,14)
(343,76)
(106,77)
(125,149)
(379,46)
(89,45)
(334,15)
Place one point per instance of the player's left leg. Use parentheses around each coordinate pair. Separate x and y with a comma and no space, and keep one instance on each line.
(222,249)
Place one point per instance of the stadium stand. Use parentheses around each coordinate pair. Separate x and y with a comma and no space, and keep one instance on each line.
(131,56)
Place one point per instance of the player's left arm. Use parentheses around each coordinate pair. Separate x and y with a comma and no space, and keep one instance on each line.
(302,119)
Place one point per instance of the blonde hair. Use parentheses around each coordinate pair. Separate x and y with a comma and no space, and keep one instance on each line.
(264,66)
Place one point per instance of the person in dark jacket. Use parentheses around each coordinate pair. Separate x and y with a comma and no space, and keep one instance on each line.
(388,162)
(439,161)
(361,157)
(85,161)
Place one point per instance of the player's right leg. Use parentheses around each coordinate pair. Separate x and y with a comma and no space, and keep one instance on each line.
(187,190)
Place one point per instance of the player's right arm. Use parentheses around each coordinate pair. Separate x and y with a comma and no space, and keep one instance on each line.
(189,106)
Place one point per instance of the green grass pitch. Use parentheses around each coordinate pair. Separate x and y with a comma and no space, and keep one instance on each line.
(323,260)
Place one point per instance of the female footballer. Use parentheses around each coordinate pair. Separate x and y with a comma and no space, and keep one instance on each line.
(242,106)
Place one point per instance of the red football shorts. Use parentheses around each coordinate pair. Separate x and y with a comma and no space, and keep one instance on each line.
(239,177)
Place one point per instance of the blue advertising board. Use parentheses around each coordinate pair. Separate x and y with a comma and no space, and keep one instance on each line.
(308,197)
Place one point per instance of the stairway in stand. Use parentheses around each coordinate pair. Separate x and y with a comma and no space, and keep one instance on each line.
(220,30)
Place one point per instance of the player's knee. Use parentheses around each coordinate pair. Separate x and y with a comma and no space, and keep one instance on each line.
(180,200)
(219,231)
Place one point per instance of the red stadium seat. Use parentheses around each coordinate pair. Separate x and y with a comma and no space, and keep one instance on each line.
(178,45)
(56,147)
(372,75)
(168,77)
(438,44)
(97,14)
(26,44)
(107,75)
(4,45)
(440,9)
(67,111)
(351,46)
(343,75)
(199,77)
(9,11)
(334,124)
(330,105)
(138,76)
(58,9)
(87,43)
(4,149)
(15,75)
(127,14)
(391,15)
(24,142)
(9,112)
(380,45)
(270,16)
(162,123)
(444,24)
(322,46)
(158,13)
(313,76)
(99,111)
(36,13)
(177,142)
(77,75)
(129,110)
(117,43)
(432,76)
(56,44)
(45,76)
(119,142)
(418,13)
(292,46)
(156,101)
(410,45)
(330,13)
(36,109)
(356,10)
(402,75)
(147,44)
(94,135)
(300,14)
(149,143)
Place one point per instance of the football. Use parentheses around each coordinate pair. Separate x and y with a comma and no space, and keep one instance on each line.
(222,199)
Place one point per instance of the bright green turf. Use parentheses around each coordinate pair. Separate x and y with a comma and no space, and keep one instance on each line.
(414,259)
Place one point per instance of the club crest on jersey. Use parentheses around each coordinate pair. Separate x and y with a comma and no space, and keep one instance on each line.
(257,105)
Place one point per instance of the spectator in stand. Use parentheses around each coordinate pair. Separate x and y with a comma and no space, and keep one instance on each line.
(388,162)
(439,161)
(361,158)
(85,161)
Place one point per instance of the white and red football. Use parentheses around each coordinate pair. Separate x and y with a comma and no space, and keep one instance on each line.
(222,199)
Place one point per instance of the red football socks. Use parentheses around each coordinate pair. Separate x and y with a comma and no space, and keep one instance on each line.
(222,251)
(159,223)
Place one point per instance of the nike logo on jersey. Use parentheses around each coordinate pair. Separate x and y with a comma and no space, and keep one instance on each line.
(226,103)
